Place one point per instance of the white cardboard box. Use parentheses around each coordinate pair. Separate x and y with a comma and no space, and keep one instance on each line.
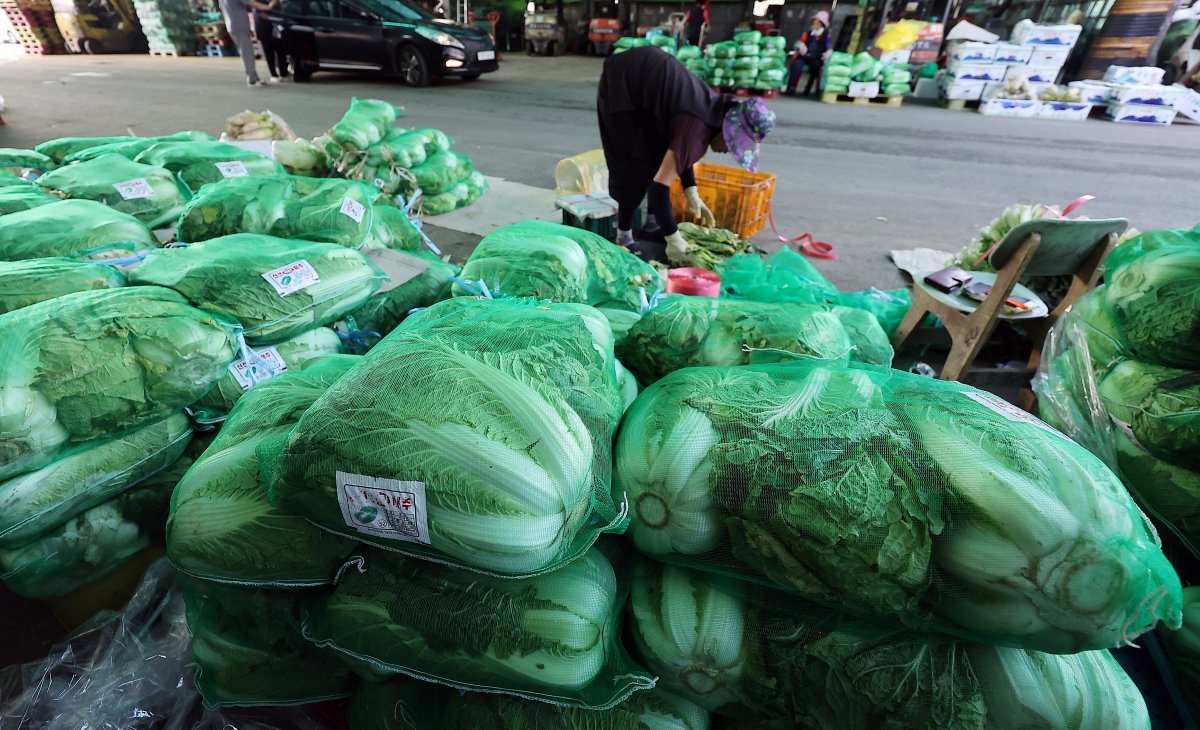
(1137,114)
(859,89)
(1011,53)
(1094,92)
(968,90)
(900,56)
(1188,104)
(1029,34)
(972,52)
(1147,94)
(993,88)
(976,71)
(1068,110)
(1134,75)
(1036,74)
(1009,107)
(1048,56)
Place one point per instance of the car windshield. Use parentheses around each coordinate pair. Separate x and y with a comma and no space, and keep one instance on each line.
(394,10)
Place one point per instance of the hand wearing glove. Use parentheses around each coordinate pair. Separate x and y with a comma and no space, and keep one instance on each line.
(676,246)
(697,210)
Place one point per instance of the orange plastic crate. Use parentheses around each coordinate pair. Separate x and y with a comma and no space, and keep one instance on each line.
(740,200)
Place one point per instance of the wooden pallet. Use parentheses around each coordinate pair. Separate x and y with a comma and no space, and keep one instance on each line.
(212,50)
(830,97)
(958,105)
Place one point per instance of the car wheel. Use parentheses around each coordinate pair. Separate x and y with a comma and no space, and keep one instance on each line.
(300,72)
(90,46)
(413,68)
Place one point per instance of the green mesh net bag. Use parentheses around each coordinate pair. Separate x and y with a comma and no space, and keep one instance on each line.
(1158,406)
(392,228)
(684,331)
(274,287)
(418,280)
(9,180)
(23,283)
(771,662)
(94,543)
(463,193)
(86,476)
(441,171)
(77,229)
(881,492)
(554,637)
(477,433)
(248,650)
(364,124)
(91,364)
(199,163)
(22,162)
(131,147)
(222,527)
(258,364)
(58,149)
(147,192)
(16,198)
(1183,646)
(409,704)
(285,206)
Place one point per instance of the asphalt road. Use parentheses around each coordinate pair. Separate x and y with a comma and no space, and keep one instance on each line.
(866,179)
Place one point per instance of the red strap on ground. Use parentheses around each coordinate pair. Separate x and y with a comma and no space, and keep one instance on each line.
(808,245)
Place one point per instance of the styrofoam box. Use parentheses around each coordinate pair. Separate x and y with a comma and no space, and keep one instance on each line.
(1036,74)
(1009,53)
(968,90)
(1009,107)
(993,88)
(1048,56)
(1046,35)
(972,52)
(1138,114)
(1134,75)
(1188,104)
(1148,94)
(863,88)
(977,71)
(1067,110)
(900,56)
(1094,92)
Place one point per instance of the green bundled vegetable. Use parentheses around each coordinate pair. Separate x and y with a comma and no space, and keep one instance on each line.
(33,504)
(23,283)
(199,163)
(19,162)
(248,650)
(408,704)
(441,171)
(9,180)
(16,198)
(553,637)
(628,385)
(364,124)
(286,206)
(222,526)
(91,364)
(1170,494)
(147,192)
(684,331)
(132,147)
(275,288)
(772,663)
(498,413)
(95,543)
(264,364)
(886,493)
(708,247)
(300,157)
(460,196)
(388,307)
(392,228)
(77,229)
(60,148)
(1159,405)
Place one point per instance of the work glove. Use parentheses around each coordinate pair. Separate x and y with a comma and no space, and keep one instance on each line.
(676,246)
(696,209)
(625,238)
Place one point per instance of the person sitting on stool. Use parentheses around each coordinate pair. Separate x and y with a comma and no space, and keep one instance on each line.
(811,51)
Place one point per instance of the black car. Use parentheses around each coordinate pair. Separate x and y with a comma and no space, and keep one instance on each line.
(393,36)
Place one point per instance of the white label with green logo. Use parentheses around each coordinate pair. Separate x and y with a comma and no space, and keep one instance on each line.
(353,209)
(381,507)
(233,168)
(134,189)
(292,278)
(267,365)
(1009,411)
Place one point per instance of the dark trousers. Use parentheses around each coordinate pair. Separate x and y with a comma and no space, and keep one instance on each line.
(814,73)
(274,52)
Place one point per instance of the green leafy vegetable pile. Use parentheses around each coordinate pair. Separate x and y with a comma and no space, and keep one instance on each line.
(58,149)
(199,163)
(77,229)
(387,308)
(16,198)
(708,247)
(89,148)
(147,192)
(35,280)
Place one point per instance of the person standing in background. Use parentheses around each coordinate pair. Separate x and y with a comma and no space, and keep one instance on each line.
(697,18)
(811,51)
(273,51)
(237,22)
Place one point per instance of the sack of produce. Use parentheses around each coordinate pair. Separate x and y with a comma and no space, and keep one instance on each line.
(627,385)
(27,282)
(393,228)
(746,64)
(131,147)
(285,206)
(274,287)
(688,53)
(8,180)
(896,89)
(248,650)
(77,229)
(261,364)
(429,282)
(16,198)
(22,162)
(748,36)
(441,171)
(877,491)
(91,364)
(147,192)
(364,124)
(554,637)
(1183,646)
(683,331)
(774,663)
(95,543)
(33,504)
(263,125)
(1158,406)
(300,157)
(839,58)
(408,704)
(58,149)
(494,416)
(222,527)
(200,163)
(773,42)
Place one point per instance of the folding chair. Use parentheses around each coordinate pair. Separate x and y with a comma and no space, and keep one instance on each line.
(1043,247)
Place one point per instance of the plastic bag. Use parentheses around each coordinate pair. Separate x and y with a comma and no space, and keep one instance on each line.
(21,162)
(265,125)
(387,308)
(147,192)
(398,615)
(275,288)
(222,527)
(14,199)
(77,229)
(364,124)
(60,148)
(285,206)
(478,402)
(131,147)
(23,283)
(200,163)
(879,492)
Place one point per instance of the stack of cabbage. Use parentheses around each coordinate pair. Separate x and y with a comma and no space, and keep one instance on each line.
(835,77)
(93,379)
(663,42)
(1121,375)
(694,60)
(625,43)
(749,61)
(842,68)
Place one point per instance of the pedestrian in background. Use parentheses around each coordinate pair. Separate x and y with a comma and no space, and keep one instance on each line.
(811,51)
(273,50)
(695,22)
(237,22)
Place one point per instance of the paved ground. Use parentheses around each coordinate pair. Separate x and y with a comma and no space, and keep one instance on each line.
(865,179)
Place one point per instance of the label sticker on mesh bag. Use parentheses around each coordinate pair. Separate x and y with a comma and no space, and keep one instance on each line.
(233,168)
(134,189)
(353,209)
(292,278)
(383,507)
(1009,411)
(268,365)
